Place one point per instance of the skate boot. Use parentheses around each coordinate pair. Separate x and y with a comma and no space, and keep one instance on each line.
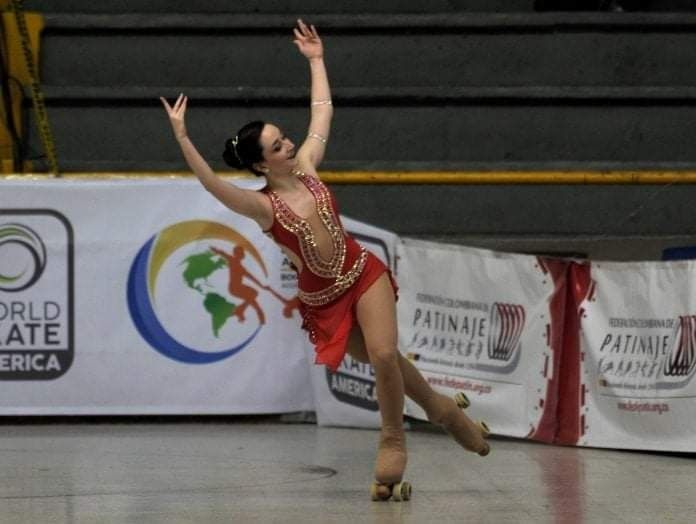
(389,469)
(468,434)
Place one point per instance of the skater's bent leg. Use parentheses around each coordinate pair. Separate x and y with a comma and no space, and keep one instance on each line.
(422,393)
(440,409)
(415,386)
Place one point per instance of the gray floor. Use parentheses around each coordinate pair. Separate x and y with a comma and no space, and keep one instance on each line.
(251,472)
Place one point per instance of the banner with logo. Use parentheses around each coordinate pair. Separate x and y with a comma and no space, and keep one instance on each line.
(147,296)
(150,297)
(634,371)
(348,397)
(488,324)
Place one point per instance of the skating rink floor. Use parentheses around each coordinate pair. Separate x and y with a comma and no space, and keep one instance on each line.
(234,472)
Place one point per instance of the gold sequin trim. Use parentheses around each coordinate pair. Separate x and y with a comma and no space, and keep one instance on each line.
(303,231)
(328,269)
(343,282)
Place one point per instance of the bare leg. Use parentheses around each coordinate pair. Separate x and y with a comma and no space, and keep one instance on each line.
(440,409)
(376,314)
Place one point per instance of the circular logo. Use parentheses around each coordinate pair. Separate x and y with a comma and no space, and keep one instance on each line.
(186,296)
(22,257)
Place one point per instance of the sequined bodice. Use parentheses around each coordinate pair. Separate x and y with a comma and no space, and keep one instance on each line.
(320,281)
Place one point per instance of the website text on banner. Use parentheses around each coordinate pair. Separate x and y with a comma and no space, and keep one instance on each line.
(634,371)
(487,324)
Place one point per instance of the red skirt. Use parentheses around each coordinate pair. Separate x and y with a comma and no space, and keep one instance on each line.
(329,326)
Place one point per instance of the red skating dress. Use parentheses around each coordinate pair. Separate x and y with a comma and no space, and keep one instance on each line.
(328,289)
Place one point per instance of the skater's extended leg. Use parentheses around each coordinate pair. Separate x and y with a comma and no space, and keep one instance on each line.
(415,386)
(440,409)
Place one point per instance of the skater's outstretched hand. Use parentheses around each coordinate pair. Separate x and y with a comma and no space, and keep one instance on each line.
(176,115)
(251,204)
(308,41)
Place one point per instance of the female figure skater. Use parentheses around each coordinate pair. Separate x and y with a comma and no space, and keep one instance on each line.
(347,296)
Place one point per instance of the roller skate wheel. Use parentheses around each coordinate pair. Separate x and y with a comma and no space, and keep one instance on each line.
(485,430)
(401,491)
(462,400)
(379,491)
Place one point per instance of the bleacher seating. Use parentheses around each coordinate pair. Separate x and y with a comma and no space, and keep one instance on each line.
(460,86)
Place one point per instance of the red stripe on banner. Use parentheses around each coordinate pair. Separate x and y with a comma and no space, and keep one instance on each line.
(521,320)
(582,425)
(548,334)
(546,366)
(547,427)
(570,424)
(505,325)
(509,326)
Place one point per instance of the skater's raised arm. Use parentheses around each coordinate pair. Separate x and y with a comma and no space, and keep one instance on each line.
(308,42)
(248,203)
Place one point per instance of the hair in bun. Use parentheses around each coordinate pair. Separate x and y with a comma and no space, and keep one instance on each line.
(244,150)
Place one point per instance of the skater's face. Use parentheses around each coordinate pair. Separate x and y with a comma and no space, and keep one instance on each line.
(278,150)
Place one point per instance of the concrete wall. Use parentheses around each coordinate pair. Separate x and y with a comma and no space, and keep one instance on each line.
(460,91)
(277,6)
(599,222)
(463,85)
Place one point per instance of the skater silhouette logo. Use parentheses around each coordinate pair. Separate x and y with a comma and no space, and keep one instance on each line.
(201,273)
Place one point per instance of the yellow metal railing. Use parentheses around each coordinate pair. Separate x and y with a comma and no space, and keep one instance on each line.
(19,75)
(511,177)
(431,177)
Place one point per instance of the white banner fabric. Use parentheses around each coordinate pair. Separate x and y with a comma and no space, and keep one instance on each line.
(638,344)
(480,322)
(143,297)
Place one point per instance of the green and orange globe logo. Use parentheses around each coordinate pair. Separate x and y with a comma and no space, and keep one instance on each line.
(194,291)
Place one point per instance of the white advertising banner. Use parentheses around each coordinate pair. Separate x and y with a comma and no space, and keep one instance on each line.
(488,324)
(348,397)
(150,297)
(143,297)
(638,356)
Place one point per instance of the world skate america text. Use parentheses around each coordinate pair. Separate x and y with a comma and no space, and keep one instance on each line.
(29,324)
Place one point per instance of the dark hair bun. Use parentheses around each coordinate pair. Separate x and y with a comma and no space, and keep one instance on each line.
(244,150)
(230,157)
